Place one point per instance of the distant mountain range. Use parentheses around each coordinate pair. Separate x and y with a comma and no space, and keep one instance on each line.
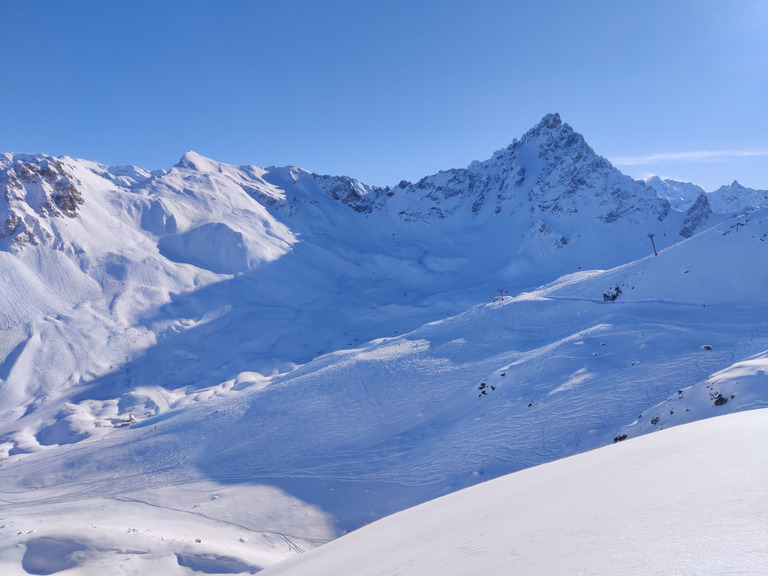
(733,198)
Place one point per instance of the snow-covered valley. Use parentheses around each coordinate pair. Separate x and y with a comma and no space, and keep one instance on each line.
(216,367)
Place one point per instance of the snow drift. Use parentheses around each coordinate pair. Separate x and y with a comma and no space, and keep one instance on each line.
(692,500)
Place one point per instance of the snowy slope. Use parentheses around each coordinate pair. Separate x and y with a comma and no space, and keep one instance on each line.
(263,358)
(688,501)
(681,195)
(358,434)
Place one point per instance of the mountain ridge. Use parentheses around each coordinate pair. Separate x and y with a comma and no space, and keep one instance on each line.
(497,182)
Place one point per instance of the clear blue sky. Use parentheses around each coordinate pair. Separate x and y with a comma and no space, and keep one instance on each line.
(390,89)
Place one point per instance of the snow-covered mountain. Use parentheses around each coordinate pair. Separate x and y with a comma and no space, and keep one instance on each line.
(234,363)
(731,199)
(681,195)
(736,198)
(359,262)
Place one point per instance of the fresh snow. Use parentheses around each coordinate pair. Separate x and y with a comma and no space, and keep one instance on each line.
(688,501)
(215,367)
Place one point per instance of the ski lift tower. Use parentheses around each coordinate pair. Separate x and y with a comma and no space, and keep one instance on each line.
(655,252)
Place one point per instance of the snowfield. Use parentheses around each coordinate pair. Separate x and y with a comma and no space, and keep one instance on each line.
(691,500)
(213,368)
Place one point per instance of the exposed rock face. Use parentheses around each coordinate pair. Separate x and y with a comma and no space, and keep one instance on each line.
(35,188)
(353,193)
(697,216)
(60,196)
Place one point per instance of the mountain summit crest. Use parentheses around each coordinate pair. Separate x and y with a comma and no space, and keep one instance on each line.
(551,121)
(195,161)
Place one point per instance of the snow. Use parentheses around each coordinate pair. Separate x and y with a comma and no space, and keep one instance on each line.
(737,198)
(216,367)
(741,385)
(201,525)
(681,195)
(691,500)
(730,199)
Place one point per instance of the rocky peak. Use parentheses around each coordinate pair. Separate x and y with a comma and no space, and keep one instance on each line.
(554,143)
(352,192)
(551,126)
(698,215)
(35,188)
(45,184)
(550,173)
(550,121)
(736,198)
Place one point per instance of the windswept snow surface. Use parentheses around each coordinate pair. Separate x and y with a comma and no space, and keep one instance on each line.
(687,501)
(215,367)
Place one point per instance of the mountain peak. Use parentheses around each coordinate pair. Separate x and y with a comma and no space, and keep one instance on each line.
(552,129)
(195,161)
(550,121)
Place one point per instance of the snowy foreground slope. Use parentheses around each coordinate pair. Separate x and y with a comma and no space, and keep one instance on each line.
(691,500)
(216,367)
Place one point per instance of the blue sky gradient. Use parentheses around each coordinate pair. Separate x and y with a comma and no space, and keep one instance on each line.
(390,89)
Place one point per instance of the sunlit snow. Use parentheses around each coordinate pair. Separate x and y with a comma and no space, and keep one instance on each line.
(213,368)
